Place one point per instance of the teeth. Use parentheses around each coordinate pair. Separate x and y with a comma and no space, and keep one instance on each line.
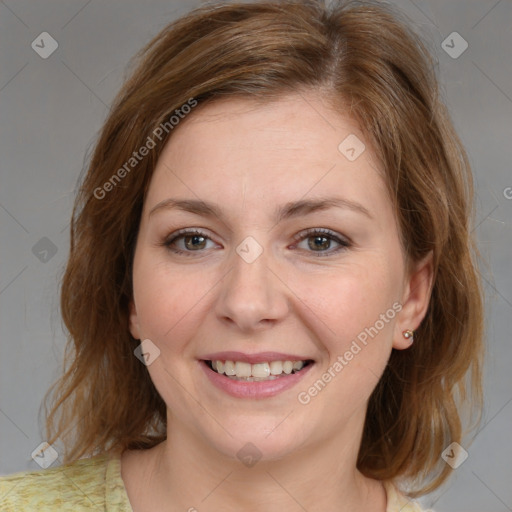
(276,367)
(297,365)
(229,368)
(240,370)
(287,367)
(261,370)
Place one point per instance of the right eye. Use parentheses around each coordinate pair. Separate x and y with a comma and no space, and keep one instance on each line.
(187,241)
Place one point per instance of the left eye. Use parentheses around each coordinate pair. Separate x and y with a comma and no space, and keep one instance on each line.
(320,240)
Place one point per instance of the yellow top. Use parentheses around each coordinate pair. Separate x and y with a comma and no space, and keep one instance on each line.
(96,484)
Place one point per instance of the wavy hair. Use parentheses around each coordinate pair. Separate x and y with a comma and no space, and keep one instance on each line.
(366,61)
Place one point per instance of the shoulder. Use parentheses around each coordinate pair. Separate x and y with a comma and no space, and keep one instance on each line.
(397,502)
(81,485)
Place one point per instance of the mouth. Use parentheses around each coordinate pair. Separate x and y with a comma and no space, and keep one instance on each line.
(256,380)
(257,372)
(259,375)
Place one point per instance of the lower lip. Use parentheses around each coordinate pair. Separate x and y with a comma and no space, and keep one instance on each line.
(259,389)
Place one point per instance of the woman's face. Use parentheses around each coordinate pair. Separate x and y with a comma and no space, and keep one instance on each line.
(269,272)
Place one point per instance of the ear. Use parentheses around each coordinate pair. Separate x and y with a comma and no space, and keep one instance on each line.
(415,300)
(134,321)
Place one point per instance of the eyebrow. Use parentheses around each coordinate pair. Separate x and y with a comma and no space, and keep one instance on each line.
(287,211)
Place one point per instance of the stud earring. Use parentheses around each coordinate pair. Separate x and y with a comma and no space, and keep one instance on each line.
(408,334)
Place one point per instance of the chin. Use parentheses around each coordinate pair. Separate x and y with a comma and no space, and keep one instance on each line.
(266,443)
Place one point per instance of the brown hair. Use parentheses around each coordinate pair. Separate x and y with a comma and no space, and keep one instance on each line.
(367,62)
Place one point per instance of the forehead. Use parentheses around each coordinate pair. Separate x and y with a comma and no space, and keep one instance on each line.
(296,125)
(284,149)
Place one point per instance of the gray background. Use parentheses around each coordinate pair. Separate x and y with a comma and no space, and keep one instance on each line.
(51,110)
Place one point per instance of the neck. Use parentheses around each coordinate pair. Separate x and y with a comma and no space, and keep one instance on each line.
(186,473)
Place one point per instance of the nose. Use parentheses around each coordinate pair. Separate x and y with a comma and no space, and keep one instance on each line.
(252,295)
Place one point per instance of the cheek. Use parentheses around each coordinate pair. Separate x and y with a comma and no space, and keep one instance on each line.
(349,299)
(357,308)
(345,309)
(166,300)
(356,342)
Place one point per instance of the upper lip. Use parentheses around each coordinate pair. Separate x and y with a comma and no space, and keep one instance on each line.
(260,357)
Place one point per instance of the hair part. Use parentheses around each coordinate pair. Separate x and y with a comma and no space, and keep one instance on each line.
(369,65)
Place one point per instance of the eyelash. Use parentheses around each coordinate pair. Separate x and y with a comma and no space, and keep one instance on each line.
(327,233)
(303,235)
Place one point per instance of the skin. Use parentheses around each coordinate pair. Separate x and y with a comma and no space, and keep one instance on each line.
(247,158)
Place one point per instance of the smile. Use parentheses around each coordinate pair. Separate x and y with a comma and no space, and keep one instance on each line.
(257,380)
(240,370)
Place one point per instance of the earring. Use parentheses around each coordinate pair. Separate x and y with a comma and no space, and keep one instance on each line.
(408,334)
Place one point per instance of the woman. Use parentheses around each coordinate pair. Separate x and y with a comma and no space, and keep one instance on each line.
(271,293)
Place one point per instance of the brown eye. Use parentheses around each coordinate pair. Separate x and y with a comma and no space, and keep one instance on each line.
(187,242)
(320,241)
(193,242)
